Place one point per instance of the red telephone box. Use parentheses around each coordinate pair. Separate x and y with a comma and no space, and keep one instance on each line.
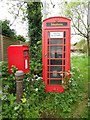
(18,55)
(55,52)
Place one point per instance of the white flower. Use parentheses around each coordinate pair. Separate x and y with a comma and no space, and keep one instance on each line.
(35,76)
(38,78)
(27,79)
(32,79)
(62,81)
(73,67)
(71,73)
(36,89)
(61,74)
(78,77)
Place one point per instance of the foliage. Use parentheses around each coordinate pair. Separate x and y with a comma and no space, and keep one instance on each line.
(34,21)
(77,11)
(6,30)
(8,81)
(29,12)
(36,59)
(82,44)
(36,103)
(21,38)
(4,66)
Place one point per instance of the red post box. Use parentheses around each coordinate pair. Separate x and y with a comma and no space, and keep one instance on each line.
(18,55)
(55,52)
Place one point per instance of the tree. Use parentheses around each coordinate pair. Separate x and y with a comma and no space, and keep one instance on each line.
(21,38)
(77,11)
(6,30)
(30,12)
(34,21)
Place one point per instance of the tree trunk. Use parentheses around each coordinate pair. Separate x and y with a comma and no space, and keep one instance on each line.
(88,33)
(88,45)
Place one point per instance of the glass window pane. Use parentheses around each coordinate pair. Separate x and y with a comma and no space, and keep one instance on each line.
(55,55)
(55,62)
(55,75)
(59,41)
(56,48)
(55,68)
(56,82)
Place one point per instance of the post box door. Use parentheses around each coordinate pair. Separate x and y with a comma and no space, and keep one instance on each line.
(55,56)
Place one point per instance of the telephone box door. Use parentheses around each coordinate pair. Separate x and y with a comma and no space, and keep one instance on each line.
(55,58)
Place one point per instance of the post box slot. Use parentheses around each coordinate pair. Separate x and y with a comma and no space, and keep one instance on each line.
(26,52)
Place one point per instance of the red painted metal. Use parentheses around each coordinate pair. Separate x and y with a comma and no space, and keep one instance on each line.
(18,55)
(55,52)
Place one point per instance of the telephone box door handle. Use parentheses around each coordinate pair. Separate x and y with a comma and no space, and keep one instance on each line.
(45,55)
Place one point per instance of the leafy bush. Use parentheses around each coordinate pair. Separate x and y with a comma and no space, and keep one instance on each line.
(6,30)
(36,103)
(21,38)
(82,44)
(36,59)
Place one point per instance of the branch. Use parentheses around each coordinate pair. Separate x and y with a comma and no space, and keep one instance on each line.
(81,33)
(18,12)
(81,20)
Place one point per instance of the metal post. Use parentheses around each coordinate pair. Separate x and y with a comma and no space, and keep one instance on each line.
(19,84)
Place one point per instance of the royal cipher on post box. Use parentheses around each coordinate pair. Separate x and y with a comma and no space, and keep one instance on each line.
(55,53)
(18,56)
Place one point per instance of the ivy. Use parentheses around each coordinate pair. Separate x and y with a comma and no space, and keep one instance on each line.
(34,20)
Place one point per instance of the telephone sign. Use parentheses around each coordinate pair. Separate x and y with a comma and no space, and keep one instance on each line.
(56,34)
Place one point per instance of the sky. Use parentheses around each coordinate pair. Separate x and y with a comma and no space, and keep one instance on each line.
(21,28)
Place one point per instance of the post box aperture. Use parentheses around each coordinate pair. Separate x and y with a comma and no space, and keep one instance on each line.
(55,52)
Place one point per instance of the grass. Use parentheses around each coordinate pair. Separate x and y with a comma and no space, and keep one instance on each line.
(81,62)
